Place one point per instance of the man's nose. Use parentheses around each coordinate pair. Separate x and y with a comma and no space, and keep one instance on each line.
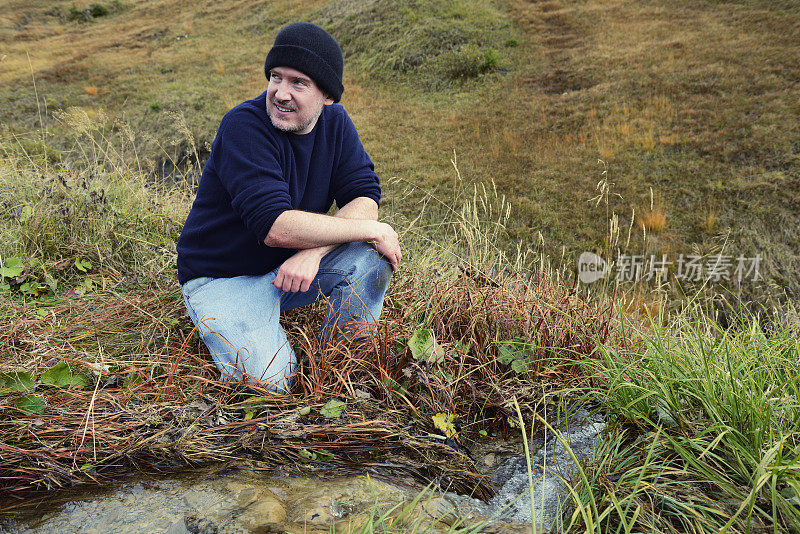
(282,91)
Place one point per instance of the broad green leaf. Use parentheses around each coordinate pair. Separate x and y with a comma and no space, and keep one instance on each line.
(332,409)
(27,211)
(324,455)
(59,375)
(424,347)
(80,380)
(31,403)
(51,282)
(505,355)
(513,350)
(305,410)
(12,268)
(519,366)
(665,417)
(16,381)
(444,422)
(307,454)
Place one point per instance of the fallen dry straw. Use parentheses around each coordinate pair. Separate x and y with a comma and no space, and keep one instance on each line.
(153,399)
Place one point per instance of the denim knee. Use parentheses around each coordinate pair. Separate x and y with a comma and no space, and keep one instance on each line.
(370,266)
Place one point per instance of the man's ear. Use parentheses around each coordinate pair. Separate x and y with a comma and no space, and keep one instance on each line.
(328,100)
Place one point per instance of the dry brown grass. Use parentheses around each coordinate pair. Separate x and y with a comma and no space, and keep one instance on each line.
(155,398)
(653,219)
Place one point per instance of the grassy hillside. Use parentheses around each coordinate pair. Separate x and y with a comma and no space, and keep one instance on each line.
(692,104)
(611,126)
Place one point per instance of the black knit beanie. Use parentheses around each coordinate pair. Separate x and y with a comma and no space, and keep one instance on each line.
(311,50)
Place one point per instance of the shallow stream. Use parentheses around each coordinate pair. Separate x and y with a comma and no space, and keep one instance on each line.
(217,500)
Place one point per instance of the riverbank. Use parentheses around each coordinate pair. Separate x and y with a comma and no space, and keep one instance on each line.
(102,369)
(102,372)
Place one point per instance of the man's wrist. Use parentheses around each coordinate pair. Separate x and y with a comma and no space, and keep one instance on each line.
(318,251)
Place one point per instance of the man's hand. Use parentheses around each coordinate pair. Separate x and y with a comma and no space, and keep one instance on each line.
(297,273)
(387,242)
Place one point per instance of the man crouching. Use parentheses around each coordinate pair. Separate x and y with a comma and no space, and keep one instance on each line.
(257,241)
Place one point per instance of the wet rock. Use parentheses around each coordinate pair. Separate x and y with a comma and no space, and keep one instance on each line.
(321,504)
(266,510)
(437,510)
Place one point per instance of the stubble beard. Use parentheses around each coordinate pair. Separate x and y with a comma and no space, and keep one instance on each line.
(296,127)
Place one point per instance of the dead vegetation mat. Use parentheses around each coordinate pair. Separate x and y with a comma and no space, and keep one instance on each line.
(153,399)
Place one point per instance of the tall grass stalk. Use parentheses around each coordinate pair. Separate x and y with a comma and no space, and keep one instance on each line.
(707,432)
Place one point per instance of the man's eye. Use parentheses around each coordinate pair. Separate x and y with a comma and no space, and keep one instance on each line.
(301,83)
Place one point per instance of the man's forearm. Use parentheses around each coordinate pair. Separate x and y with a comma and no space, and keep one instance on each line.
(358,208)
(304,230)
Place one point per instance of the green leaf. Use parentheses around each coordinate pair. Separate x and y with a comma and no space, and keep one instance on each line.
(51,282)
(424,347)
(325,456)
(81,265)
(665,416)
(61,376)
(519,366)
(16,381)
(31,403)
(307,454)
(332,409)
(505,354)
(80,380)
(790,494)
(27,211)
(305,410)
(514,352)
(483,433)
(12,268)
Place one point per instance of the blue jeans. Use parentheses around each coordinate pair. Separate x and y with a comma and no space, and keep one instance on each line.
(237,317)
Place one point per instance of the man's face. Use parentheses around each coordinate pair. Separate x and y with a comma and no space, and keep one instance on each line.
(294,101)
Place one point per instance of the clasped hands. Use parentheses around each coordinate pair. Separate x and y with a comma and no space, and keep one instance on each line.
(297,273)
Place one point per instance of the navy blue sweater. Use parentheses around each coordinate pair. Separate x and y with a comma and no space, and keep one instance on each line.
(257,172)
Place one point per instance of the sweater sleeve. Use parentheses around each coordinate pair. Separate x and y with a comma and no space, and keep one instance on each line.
(247,163)
(354,175)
